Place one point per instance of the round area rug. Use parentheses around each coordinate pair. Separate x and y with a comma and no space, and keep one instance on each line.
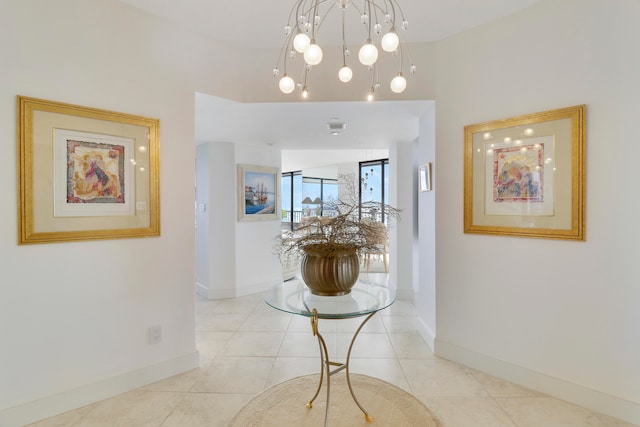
(285,405)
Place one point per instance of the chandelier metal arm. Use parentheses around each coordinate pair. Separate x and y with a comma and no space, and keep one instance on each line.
(282,54)
(313,21)
(375,14)
(395,5)
(314,6)
(344,42)
(325,14)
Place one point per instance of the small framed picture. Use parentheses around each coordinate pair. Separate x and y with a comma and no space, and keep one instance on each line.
(424,177)
(258,193)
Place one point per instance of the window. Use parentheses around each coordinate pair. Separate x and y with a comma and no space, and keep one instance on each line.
(291,189)
(374,187)
(303,196)
(316,191)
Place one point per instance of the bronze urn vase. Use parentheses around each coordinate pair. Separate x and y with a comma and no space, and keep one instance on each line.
(330,271)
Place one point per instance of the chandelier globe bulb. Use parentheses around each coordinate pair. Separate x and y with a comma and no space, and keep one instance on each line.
(313,54)
(286,84)
(301,42)
(398,83)
(390,41)
(345,74)
(368,54)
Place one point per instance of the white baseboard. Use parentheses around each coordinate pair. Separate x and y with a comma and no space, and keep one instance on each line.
(95,392)
(588,398)
(202,290)
(427,334)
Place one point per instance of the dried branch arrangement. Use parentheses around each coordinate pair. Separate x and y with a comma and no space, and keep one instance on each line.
(350,228)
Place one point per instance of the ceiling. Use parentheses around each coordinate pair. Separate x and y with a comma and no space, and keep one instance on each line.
(260,23)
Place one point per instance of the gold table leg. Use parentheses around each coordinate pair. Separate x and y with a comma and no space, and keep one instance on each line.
(326,365)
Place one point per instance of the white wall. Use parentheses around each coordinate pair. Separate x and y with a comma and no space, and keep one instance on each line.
(233,258)
(425,247)
(74,316)
(204,219)
(257,266)
(402,195)
(216,220)
(556,315)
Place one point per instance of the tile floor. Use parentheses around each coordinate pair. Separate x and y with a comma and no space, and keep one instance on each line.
(246,346)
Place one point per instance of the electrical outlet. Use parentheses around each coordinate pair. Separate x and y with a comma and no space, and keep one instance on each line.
(155,334)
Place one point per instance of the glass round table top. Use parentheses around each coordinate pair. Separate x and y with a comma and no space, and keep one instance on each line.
(294,297)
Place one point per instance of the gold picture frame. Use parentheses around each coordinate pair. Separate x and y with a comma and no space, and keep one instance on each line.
(85,173)
(525,176)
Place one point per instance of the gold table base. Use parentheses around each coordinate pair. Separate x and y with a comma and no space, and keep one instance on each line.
(326,365)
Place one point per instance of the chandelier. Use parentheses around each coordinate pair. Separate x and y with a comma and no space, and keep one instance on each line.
(378,18)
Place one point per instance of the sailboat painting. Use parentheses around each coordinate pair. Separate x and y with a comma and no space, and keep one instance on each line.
(258,193)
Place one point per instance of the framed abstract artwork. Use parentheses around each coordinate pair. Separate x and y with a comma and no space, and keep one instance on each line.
(258,193)
(524,176)
(85,173)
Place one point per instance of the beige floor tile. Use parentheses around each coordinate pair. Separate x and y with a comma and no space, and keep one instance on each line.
(205,410)
(243,305)
(396,324)
(64,420)
(498,387)
(274,321)
(181,383)
(410,345)
(304,344)
(439,377)
(253,344)
(209,320)
(210,344)
(368,346)
(469,412)
(138,408)
(237,375)
(203,304)
(264,308)
(388,370)
(551,412)
(286,368)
